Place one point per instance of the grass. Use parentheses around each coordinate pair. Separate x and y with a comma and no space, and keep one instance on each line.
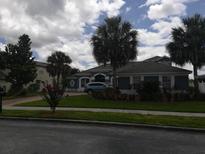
(86,101)
(27,95)
(192,122)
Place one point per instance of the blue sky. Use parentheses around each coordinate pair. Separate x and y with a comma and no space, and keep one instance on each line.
(67,25)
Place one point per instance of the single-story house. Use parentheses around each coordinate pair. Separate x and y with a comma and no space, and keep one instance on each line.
(153,69)
(42,75)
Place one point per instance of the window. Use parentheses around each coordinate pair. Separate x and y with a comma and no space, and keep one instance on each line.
(166,82)
(100,78)
(181,82)
(84,81)
(72,83)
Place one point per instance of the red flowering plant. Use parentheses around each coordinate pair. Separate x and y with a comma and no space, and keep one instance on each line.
(52,95)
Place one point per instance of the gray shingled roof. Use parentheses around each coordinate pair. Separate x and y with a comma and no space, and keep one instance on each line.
(156,59)
(150,67)
(41,64)
(98,69)
(137,68)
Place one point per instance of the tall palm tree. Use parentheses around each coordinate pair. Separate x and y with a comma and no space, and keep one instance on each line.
(188,44)
(114,42)
(58,64)
(2,60)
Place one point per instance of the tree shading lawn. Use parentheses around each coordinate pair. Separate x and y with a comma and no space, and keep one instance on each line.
(193,122)
(86,101)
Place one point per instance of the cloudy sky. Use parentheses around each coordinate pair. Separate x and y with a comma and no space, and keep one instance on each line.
(67,25)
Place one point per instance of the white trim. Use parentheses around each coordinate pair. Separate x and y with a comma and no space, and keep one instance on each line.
(99,74)
(72,83)
(155,73)
(79,85)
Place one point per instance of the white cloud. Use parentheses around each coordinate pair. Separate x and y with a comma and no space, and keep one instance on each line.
(165,9)
(164,27)
(150,2)
(149,38)
(127,9)
(55,25)
(158,9)
(166,15)
(160,32)
(150,51)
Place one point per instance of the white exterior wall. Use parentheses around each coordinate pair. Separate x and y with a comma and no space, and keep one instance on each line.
(202,87)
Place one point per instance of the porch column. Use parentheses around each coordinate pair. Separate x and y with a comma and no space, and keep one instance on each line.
(92,79)
(131,82)
(79,83)
(160,80)
(141,78)
(131,79)
(172,81)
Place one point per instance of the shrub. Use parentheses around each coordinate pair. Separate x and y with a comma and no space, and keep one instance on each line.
(17,91)
(52,95)
(201,97)
(108,94)
(149,91)
(180,96)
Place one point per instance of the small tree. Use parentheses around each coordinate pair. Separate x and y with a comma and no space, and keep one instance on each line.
(58,66)
(20,63)
(52,95)
(114,42)
(188,44)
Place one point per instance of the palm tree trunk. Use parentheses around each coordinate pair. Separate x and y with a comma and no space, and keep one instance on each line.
(58,80)
(196,84)
(114,78)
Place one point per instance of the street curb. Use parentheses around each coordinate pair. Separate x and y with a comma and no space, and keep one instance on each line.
(104,123)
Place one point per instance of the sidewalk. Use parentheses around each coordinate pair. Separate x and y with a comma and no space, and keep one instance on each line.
(143,112)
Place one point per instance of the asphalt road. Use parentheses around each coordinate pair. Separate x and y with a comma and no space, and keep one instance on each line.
(26,137)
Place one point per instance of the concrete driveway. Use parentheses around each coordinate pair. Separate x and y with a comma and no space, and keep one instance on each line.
(27,137)
(11,102)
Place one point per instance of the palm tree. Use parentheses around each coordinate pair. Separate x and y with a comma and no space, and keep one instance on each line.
(58,64)
(114,42)
(188,44)
(2,60)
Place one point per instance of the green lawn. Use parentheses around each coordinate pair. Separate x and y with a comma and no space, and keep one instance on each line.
(112,117)
(89,102)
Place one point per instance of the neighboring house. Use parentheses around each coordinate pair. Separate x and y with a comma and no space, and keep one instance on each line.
(42,76)
(201,79)
(153,69)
